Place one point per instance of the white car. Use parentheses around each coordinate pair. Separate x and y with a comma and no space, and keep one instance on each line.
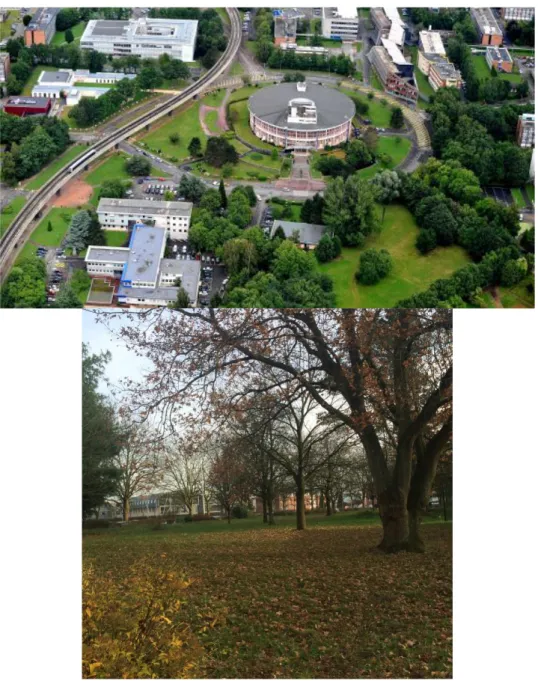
(215,183)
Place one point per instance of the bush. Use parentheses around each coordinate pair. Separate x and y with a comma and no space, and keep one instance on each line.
(95,524)
(373,266)
(239,512)
(201,516)
(426,240)
(187,519)
(328,248)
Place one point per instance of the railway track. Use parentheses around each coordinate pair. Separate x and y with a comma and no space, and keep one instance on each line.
(22,225)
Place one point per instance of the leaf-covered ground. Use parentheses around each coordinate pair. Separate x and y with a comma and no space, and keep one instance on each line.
(267,603)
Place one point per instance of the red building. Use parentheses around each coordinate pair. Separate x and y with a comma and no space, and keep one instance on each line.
(28,106)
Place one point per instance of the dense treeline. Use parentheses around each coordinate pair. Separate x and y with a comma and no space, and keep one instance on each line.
(521,32)
(31,143)
(287,59)
(480,138)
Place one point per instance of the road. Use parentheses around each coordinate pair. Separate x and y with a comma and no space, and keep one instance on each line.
(22,226)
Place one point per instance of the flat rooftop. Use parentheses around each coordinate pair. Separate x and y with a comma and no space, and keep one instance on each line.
(446,69)
(53,77)
(139,207)
(486,21)
(394,51)
(168,293)
(180,31)
(37,102)
(104,254)
(43,17)
(188,270)
(432,42)
(498,53)
(342,12)
(146,248)
(308,233)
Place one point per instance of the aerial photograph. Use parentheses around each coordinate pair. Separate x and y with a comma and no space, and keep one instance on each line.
(324,157)
(267,493)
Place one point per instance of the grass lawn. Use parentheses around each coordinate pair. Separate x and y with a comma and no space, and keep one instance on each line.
(69,154)
(377,112)
(214,98)
(486,300)
(186,123)
(422,80)
(223,15)
(10,212)
(237,69)
(518,197)
(325,42)
(60,219)
(517,296)
(483,71)
(375,82)
(241,125)
(239,146)
(295,210)
(530,191)
(241,171)
(112,168)
(251,46)
(273,602)
(34,76)
(78,30)
(211,120)
(5,26)
(396,147)
(116,238)
(411,272)
(263,160)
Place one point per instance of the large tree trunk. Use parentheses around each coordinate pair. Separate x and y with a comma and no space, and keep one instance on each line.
(395,521)
(333,504)
(229,514)
(328,509)
(125,509)
(300,512)
(264,502)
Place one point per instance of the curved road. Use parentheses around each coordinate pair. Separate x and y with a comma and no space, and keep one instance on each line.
(22,226)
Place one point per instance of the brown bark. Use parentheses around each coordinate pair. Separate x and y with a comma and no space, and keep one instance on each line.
(125,509)
(328,509)
(264,502)
(300,512)
(395,521)
(229,515)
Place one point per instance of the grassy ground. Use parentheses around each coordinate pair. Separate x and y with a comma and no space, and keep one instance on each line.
(374,81)
(423,84)
(237,69)
(5,26)
(276,603)
(116,238)
(396,147)
(10,212)
(241,171)
(518,197)
(34,76)
(112,168)
(517,296)
(214,98)
(325,42)
(295,210)
(411,272)
(60,219)
(186,123)
(71,153)
(530,191)
(78,30)
(378,113)
(241,125)
(483,71)
(211,120)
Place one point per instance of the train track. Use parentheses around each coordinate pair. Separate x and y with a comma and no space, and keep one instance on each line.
(20,228)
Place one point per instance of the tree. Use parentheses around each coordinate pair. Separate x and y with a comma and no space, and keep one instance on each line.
(99,435)
(138,166)
(223,197)
(373,266)
(396,118)
(174,138)
(182,299)
(240,255)
(79,231)
(211,201)
(385,374)
(358,155)
(136,462)
(328,248)
(112,189)
(195,147)
(238,210)
(25,285)
(387,186)
(27,18)
(426,241)
(149,78)
(67,297)
(192,188)
(69,37)
(210,58)
(49,226)
(349,209)
(220,151)
(228,479)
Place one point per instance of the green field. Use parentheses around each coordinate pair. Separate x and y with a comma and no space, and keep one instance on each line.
(378,113)
(211,120)
(266,602)
(411,272)
(112,168)
(186,124)
(240,121)
(71,153)
(375,82)
(295,210)
(5,26)
(10,212)
(483,71)
(423,84)
(214,98)
(518,197)
(241,171)
(116,238)
(78,30)
(60,219)
(530,191)
(517,296)
(325,42)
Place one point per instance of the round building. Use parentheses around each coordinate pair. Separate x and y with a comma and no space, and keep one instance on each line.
(301,115)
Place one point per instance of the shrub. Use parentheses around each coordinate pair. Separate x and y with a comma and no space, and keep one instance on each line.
(187,519)
(201,516)
(95,524)
(426,240)
(239,512)
(373,266)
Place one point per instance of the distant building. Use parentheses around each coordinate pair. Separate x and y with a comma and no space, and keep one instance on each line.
(143,37)
(433,63)
(394,71)
(488,29)
(340,23)
(63,83)
(27,106)
(444,74)
(122,214)
(525,130)
(430,42)
(517,13)
(42,28)
(303,49)
(5,66)
(388,24)
(146,277)
(285,28)
(499,58)
(308,235)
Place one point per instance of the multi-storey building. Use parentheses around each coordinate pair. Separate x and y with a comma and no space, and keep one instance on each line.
(388,24)
(444,74)
(285,28)
(525,130)
(433,63)
(394,71)
(64,83)
(499,58)
(517,13)
(27,106)
(143,37)
(340,23)
(5,66)
(42,28)
(488,29)
(174,216)
(430,42)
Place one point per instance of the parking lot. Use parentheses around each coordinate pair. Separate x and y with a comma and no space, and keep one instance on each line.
(153,189)
(266,222)
(57,269)
(212,273)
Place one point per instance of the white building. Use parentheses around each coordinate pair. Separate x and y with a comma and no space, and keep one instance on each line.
(143,37)
(122,214)
(431,42)
(340,22)
(5,66)
(73,85)
(517,13)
